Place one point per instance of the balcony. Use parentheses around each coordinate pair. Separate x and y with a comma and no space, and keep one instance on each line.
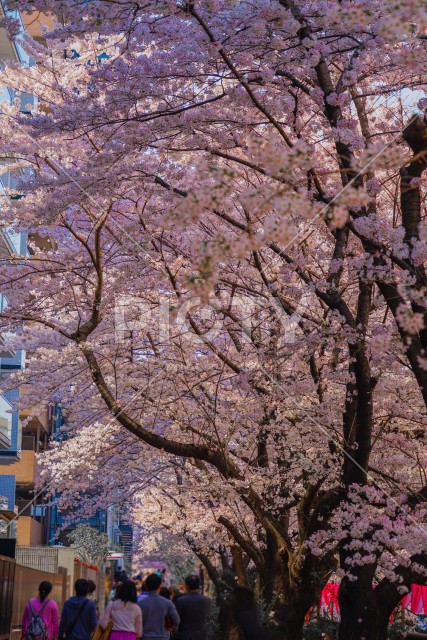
(34,26)
(30,532)
(24,470)
(37,418)
(41,242)
(7,519)
(5,424)
(8,49)
(35,422)
(6,247)
(5,352)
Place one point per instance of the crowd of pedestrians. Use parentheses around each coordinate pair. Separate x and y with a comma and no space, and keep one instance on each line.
(158,613)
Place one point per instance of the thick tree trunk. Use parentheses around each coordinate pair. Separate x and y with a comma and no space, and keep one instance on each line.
(290,629)
(410,199)
(356,609)
(290,610)
(362,616)
(290,618)
(225,620)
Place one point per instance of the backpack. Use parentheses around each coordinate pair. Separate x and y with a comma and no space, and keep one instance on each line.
(37,629)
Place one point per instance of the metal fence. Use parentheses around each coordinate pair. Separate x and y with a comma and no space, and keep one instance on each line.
(41,558)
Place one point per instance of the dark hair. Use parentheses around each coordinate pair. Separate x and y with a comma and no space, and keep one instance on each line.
(165,593)
(81,587)
(45,588)
(153,582)
(117,587)
(127,591)
(92,586)
(192,582)
(120,576)
(243,598)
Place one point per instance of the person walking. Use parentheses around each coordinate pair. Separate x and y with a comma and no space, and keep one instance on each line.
(166,581)
(144,592)
(92,595)
(159,615)
(175,593)
(41,614)
(124,613)
(78,619)
(193,609)
(165,593)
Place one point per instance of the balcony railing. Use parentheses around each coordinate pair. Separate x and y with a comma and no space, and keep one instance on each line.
(15,47)
(24,470)
(5,424)
(36,418)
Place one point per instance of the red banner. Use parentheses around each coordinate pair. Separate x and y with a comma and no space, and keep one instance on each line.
(415,601)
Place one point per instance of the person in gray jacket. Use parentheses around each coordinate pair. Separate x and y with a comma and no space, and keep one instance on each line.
(193,609)
(158,613)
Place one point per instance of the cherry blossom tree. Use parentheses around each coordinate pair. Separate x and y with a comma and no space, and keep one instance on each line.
(227,264)
(92,546)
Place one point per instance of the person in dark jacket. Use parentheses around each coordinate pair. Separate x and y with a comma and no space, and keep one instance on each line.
(78,619)
(193,609)
(245,615)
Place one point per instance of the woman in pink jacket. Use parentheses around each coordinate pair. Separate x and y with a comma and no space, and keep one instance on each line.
(48,609)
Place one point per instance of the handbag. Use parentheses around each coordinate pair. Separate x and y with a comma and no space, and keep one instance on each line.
(169,624)
(102,634)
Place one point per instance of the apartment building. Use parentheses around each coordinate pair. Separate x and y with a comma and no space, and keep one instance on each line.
(23,434)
